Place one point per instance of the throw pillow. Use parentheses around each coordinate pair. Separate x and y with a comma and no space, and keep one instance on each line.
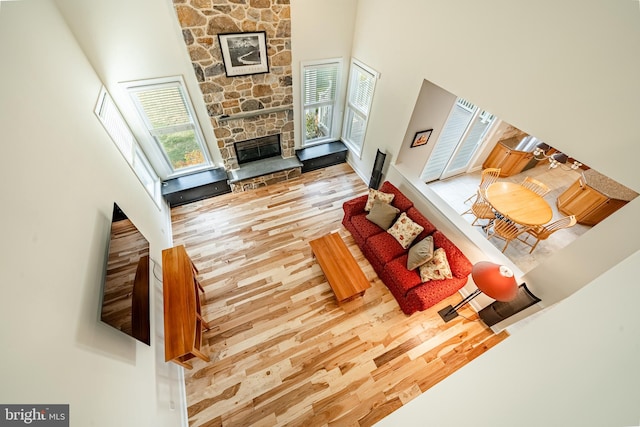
(405,230)
(420,253)
(382,214)
(437,268)
(377,195)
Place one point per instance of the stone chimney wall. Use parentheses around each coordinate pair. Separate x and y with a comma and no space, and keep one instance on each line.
(201,22)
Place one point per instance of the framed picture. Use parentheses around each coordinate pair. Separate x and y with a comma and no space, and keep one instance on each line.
(421,138)
(244,53)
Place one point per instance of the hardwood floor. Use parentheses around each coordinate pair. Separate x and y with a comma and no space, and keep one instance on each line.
(283,352)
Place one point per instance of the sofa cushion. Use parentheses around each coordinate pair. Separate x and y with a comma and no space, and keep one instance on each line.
(384,247)
(405,230)
(429,294)
(418,218)
(437,268)
(377,195)
(403,279)
(398,293)
(355,206)
(420,253)
(364,227)
(400,201)
(382,214)
(458,263)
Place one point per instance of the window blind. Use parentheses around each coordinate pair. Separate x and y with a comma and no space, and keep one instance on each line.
(361,91)
(164,108)
(115,126)
(166,111)
(362,82)
(320,83)
(121,135)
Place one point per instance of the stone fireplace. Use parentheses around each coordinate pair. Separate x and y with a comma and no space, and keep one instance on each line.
(251,125)
(242,107)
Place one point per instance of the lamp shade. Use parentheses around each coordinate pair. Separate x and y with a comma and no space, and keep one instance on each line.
(560,157)
(496,281)
(542,146)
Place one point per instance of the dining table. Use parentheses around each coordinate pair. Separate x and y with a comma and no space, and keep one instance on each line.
(519,204)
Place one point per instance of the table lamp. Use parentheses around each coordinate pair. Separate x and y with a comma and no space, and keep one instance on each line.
(494,280)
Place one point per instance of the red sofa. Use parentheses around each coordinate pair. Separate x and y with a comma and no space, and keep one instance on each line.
(389,259)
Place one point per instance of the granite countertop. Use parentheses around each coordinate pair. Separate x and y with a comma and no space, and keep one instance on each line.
(608,186)
(510,143)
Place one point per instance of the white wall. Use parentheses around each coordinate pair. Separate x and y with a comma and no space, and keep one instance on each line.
(134,40)
(567,73)
(575,365)
(555,84)
(555,71)
(61,175)
(331,36)
(431,112)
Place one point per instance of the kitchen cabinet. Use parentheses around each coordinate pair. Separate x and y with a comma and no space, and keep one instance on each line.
(505,156)
(593,197)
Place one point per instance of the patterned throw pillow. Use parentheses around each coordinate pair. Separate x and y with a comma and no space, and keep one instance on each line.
(405,230)
(420,253)
(437,268)
(382,214)
(377,195)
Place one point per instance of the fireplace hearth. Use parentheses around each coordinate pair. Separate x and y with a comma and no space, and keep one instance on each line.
(258,148)
(260,163)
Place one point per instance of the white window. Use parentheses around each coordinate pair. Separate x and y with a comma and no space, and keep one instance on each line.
(320,82)
(121,135)
(165,108)
(362,83)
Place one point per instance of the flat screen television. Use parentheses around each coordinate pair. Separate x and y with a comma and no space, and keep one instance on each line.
(125,290)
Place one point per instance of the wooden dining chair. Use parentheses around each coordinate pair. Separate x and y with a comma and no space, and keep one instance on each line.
(506,230)
(481,209)
(536,186)
(542,232)
(488,177)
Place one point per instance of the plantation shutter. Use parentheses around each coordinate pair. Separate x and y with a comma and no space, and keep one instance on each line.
(165,110)
(320,83)
(174,133)
(121,135)
(116,126)
(361,92)
(362,82)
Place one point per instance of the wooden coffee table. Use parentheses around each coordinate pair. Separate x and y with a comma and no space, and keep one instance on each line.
(340,267)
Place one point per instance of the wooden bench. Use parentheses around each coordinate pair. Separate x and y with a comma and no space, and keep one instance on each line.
(322,155)
(196,186)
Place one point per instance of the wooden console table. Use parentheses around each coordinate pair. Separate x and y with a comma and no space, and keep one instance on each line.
(183,322)
(340,268)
